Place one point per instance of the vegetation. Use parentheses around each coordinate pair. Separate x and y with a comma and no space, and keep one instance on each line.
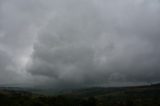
(127,96)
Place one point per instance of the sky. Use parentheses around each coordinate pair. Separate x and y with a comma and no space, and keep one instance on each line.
(77,43)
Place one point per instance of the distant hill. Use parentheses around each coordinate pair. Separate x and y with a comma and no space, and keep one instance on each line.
(98,91)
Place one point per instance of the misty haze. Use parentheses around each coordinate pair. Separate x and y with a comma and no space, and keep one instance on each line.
(80,52)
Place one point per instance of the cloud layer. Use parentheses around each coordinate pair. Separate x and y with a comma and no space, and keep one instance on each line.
(80,42)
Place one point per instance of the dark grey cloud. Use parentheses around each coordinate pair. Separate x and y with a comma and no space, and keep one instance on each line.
(89,43)
(81,42)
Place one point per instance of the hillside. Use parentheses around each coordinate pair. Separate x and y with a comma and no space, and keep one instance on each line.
(97,96)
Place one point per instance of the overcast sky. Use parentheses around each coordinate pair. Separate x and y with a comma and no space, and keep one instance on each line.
(73,43)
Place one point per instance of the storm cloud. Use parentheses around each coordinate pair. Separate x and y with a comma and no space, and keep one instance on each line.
(71,43)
